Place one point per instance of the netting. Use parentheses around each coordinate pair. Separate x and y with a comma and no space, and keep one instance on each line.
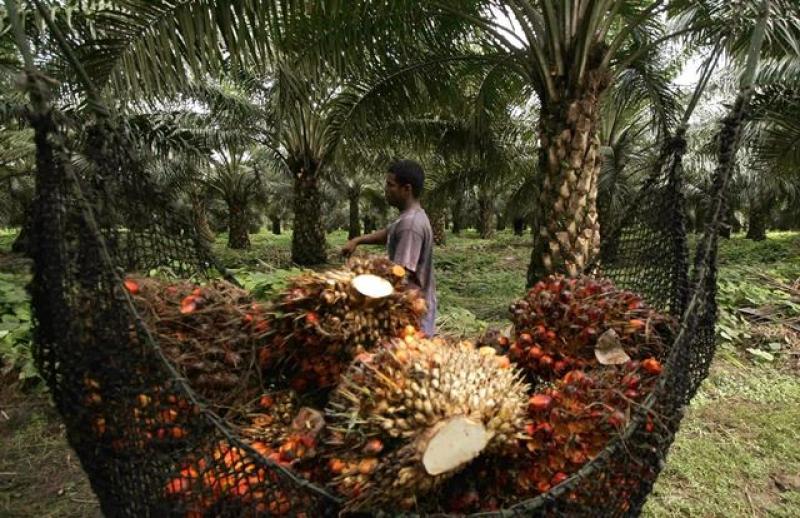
(144,435)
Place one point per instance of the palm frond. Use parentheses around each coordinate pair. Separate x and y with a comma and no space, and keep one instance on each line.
(143,47)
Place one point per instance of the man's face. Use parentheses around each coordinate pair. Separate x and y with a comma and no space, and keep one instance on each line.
(395,194)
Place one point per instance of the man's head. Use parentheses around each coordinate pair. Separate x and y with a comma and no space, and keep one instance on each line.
(404,182)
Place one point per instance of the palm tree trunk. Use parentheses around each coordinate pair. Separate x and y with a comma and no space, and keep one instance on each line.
(368,225)
(308,237)
(238,237)
(354,229)
(757,222)
(200,218)
(22,243)
(519,226)
(439,227)
(486,225)
(501,223)
(458,213)
(569,235)
(736,227)
(275,221)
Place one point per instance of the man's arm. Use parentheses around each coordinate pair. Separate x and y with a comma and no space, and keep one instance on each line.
(407,254)
(376,238)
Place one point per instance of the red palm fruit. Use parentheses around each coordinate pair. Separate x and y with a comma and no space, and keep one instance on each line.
(652,366)
(540,402)
(558,478)
(636,323)
(574,376)
(578,457)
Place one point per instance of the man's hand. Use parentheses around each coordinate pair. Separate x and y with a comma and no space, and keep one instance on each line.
(376,238)
(349,247)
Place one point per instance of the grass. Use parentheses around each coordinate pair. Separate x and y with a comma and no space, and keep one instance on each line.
(736,454)
(40,475)
(737,451)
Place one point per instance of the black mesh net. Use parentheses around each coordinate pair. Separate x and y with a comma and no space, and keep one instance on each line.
(152,447)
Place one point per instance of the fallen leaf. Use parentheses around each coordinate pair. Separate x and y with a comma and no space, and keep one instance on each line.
(609,351)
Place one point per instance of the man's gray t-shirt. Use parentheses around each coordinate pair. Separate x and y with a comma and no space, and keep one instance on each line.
(410,244)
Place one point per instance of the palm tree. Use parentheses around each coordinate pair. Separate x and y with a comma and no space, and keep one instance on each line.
(774,160)
(628,147)
(236,179)
(303,125)
(356,173)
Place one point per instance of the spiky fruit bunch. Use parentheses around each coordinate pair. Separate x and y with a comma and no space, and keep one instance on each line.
(416,411)
(322,320)
(560,322)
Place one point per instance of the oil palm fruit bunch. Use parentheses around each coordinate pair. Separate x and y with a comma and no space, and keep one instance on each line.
(322,320)
(573,323)
(579,414)
(230,474)
(416,411)
(202,329)
(157,416)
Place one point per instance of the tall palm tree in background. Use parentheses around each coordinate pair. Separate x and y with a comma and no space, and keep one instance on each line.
(235,177)
(773,145)
(628,146)
(352,180)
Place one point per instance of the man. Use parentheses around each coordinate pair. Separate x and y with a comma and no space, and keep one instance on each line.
(409,238)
